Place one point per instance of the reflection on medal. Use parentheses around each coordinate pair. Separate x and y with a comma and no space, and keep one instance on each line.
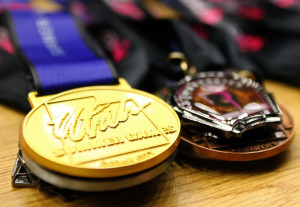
(100,132)
(224,104)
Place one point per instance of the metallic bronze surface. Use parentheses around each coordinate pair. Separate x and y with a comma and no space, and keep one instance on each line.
(257,144)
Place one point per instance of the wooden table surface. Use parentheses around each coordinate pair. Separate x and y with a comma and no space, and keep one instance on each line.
(187,182)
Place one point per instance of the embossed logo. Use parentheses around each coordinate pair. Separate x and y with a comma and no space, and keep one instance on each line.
(87,121)
(91,130)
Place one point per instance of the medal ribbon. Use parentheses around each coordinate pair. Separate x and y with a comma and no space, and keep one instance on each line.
(60,58)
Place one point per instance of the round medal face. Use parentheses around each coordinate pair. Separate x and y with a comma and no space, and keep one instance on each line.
(258,144)
(100,132)
(226,103)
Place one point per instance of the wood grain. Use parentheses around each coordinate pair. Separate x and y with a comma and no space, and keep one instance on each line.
(188,182)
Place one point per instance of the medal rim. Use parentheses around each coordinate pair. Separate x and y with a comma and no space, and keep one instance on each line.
(99,172)
(96,184)
(199,151)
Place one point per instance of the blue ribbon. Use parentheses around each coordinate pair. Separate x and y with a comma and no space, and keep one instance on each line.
(62,60)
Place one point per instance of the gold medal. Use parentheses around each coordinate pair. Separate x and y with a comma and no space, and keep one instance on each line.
(99,131)
(90,138)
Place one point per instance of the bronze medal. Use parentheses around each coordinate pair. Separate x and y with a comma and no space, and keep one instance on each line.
(229,117)
(257,144)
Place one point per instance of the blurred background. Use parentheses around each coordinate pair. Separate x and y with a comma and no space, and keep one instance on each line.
(137,36)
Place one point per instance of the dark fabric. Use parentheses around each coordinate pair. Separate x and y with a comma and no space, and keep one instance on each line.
(15,82)
(247,36)
(14,87)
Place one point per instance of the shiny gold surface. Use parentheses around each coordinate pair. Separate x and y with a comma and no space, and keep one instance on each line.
(102,131)
(182,61)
